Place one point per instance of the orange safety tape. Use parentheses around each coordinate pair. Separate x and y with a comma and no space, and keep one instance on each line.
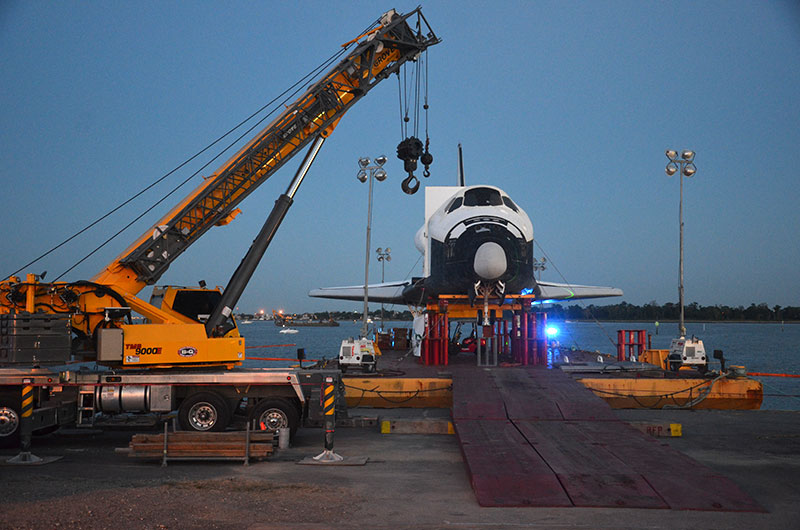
(282,359)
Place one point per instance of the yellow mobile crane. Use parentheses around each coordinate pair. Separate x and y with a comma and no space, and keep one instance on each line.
(194,326)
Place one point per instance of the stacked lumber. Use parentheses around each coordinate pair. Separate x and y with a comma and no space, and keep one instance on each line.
(201,446)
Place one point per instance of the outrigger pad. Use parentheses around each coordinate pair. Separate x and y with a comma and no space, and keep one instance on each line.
(329,458)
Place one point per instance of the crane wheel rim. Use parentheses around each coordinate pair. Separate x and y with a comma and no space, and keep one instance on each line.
(9,421)
(272,419)
(203,416)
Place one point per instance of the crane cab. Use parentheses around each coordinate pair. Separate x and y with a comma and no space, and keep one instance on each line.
(193,302)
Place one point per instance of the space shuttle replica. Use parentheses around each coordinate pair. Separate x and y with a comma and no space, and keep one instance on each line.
(476,242)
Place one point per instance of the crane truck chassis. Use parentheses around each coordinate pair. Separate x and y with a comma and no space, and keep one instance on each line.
(205,399)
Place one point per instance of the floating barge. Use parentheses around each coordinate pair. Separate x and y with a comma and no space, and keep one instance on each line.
(636,377)
(402,382)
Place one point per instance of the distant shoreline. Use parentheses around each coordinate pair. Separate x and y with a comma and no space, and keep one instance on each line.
(660,322)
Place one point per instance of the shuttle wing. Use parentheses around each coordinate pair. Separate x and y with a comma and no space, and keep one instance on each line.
(385,293)
(565,291)
(392,292)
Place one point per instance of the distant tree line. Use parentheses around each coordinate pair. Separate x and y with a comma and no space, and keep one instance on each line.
(388,314)
(624,311)
(670,311)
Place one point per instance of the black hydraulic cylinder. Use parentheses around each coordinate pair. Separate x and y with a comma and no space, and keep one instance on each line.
(245,270)
(247,267)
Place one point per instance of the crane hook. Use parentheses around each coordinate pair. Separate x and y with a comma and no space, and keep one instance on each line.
(410,185)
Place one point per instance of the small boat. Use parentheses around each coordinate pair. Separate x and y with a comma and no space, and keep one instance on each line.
(246,322)
(288,330)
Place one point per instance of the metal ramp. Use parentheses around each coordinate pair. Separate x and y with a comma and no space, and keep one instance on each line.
(536,437)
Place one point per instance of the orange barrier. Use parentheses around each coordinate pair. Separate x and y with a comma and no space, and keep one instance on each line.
(761,374)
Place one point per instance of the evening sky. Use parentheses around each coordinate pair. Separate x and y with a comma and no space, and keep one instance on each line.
(567,106)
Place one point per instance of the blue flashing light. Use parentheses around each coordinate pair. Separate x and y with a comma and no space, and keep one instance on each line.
(551,331)
(526,291)
(541,302)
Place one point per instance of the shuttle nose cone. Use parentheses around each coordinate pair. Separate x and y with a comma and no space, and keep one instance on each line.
(490,261)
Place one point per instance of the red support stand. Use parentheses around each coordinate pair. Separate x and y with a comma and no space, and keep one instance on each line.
(437,337)
(628,340)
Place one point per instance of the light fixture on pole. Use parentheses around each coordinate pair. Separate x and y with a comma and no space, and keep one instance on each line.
(383,257)
(684,166)
(539,265)
(367,172)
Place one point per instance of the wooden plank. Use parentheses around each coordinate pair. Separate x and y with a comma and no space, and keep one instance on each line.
(573,400)
(475,396)
(199,454)
(198,447)
(591,475)
(202,445)
(524,399)
(221,450)
(536,437)
(610,490)
(205,436)
(504,470)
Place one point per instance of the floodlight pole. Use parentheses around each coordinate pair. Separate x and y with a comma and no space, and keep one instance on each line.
(383,257)
(684,166)
(367,172)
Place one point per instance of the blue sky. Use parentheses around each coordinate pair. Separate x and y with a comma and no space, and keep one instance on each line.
(567,106)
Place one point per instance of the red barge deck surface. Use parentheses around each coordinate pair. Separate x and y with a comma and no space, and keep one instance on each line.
(535,437)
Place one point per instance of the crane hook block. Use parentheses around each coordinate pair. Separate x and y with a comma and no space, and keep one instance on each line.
(410,185)
(409,151)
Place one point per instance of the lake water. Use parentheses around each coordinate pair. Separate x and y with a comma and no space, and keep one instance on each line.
(767,348)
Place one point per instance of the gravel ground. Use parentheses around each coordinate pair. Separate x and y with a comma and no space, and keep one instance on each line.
(215,503)
(91,487)
(410,481)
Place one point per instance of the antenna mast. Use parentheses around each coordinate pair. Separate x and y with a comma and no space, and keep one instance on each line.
(460,167)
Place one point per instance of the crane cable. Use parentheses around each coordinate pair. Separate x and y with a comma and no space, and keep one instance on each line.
(289,92)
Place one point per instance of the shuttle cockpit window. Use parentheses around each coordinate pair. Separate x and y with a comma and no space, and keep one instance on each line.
(508,202)
(455,205)
(482,197)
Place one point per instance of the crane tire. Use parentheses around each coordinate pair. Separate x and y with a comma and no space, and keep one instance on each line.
(10,418)
(204,412)
(271,414)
